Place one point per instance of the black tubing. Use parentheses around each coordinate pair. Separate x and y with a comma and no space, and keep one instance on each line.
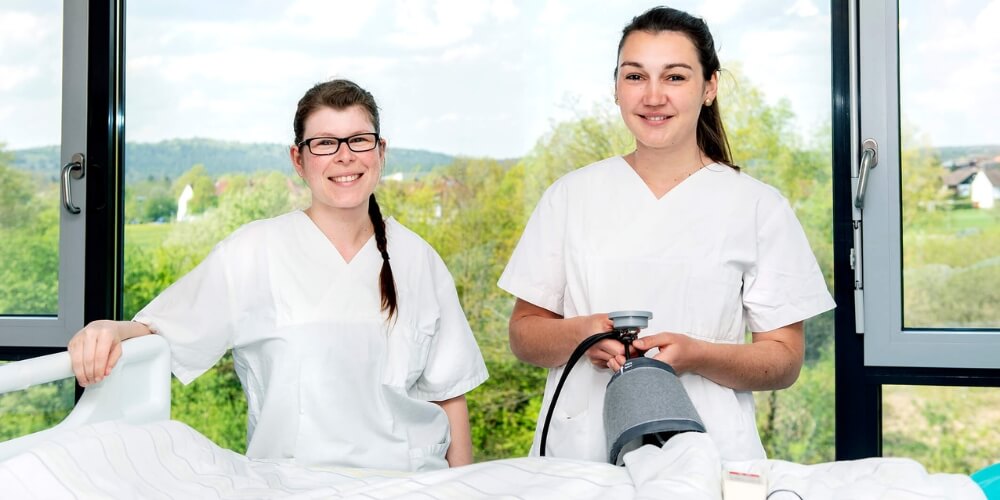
(573,358)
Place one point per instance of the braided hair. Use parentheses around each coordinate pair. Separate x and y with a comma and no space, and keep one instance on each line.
(387,285)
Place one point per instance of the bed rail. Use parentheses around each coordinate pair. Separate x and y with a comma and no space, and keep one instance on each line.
(137,390)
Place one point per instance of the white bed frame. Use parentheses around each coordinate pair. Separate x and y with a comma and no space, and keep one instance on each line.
(138,393)
(137,390)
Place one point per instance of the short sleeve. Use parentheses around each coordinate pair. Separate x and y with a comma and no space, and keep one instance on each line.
(195,316)
(455,365)
(784,284)
(536,272)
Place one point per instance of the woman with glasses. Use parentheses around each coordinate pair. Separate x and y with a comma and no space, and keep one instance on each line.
(674,228)
(346,329)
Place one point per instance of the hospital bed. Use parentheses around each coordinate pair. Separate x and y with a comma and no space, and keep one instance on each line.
(118,442)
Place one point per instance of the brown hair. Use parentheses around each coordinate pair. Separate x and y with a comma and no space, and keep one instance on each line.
(342,94)
(711,133)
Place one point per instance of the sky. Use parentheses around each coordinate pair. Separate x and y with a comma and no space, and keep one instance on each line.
(469,77)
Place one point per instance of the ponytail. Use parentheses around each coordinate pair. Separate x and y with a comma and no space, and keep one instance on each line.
(387,285)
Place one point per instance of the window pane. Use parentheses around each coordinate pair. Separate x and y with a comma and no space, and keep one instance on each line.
(947,429)
(484,104)
(30,112)
(36,408)
(950,162)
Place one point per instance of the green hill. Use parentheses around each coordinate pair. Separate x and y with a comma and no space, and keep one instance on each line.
(962,154)
(173,157)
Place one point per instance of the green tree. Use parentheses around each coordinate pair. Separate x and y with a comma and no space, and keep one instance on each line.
(796,424)
(921,188)
(149,200)
(17,194)
(29,232)
(571,145)
(202,185)
(159,209)
(29,274)
(760,135)
(37,408)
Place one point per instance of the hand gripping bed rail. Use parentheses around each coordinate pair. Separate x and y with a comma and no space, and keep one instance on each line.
(136,391)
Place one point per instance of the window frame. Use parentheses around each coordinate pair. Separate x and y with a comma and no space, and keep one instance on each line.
(858,391)
(90,275)
(887,341)
(858,386)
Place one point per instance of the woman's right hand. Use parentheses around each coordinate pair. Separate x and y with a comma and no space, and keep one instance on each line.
(604,351)
(95,349)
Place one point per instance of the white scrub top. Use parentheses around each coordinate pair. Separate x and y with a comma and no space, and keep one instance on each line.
(327,380)
(719,253)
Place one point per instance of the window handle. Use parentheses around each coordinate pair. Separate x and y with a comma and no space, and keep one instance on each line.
(75,168)
(869,159)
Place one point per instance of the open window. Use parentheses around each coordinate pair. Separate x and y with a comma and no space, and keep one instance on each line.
(41,306)
(916,259)
(930,247)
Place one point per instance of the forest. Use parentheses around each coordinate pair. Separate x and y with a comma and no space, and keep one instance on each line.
(472,210)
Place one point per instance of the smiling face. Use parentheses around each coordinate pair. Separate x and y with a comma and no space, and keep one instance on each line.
(661,90)
(344,180)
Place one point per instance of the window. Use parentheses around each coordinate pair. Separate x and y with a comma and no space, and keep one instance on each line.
(931,234)
(43,134)
(484,104)
(919,342)
(43,123)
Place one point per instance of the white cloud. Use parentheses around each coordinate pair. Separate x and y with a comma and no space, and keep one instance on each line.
(986,26)
(14,76)
(795,66)
(553,14)
(949,71)
(250,67)
(804,8)
(470,52)
(504,10)
(322,18)
(421,24)
(450,74)
(716,12)
(431,122)
(143,62)
(22,29)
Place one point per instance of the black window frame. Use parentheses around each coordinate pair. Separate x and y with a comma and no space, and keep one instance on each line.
(105,150)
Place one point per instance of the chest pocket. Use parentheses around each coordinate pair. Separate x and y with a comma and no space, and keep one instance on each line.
(716,303)
(408,347)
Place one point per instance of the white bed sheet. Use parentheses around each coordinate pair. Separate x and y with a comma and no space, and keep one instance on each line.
(169,460)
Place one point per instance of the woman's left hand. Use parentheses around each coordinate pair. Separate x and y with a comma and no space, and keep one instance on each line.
(681,352)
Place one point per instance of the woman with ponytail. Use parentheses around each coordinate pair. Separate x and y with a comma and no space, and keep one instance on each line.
(346,329)
(675,228)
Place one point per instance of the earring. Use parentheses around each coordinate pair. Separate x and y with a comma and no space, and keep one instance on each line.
(616,98)
(708,102)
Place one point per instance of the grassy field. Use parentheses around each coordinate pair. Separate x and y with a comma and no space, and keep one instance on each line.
(950,265)
(146,235)
(947,429)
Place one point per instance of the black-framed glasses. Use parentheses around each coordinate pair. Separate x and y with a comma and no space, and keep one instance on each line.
(323,146)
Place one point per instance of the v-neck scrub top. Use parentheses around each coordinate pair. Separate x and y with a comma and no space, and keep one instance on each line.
(327,380)
(719,253)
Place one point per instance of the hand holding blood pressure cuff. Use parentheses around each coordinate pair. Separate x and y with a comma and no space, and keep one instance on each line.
(644,403)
